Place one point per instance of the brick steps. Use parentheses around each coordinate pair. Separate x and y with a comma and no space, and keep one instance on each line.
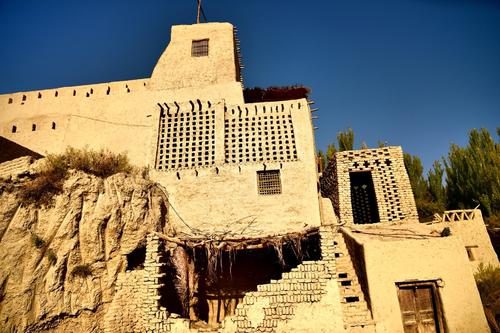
(357,316)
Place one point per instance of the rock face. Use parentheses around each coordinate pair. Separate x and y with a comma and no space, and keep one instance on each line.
(58,265)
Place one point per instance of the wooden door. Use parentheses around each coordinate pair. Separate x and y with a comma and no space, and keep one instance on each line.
(418,308)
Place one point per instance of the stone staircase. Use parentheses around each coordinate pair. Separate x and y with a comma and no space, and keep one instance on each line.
(357,315)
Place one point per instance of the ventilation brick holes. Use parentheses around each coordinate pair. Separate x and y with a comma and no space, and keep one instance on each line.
(186,140)
(199,48)
(259,138)
(14,129)
(33,127)
(268,182)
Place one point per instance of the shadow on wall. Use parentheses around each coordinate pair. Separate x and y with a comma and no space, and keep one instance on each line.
(10,150)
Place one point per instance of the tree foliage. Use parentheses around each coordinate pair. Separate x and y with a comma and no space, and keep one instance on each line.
(345,139)
(473,173)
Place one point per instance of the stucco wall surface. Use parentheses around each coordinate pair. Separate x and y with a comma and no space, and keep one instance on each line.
(176,68)
(224,195)
(443,259)
(118,115)
(473,234)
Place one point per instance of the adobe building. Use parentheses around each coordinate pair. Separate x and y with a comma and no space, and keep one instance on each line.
(266,244)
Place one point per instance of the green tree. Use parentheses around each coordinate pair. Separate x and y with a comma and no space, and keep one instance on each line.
(345,139)
(381,144)
(435,185)
(415,171)
(321,161)
(426,206)
(330,151)
(473,173)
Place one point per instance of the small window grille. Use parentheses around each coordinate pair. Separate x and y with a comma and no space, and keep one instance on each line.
(199,48)
(269,182)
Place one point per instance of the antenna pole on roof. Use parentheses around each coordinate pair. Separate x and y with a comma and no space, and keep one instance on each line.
(199,10)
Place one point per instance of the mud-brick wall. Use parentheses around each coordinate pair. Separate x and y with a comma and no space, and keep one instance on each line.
(125,312)
(15,167)
(395,201)
(282,304)
(136,307)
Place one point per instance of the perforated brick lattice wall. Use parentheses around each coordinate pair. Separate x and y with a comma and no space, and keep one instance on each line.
(392,187)
(259,137)
(186,139)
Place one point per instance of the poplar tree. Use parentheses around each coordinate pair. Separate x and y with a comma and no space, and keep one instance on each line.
(346,140)
(473,173)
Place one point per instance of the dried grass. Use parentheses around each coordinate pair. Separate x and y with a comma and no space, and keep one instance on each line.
(82,271)
(488,284)
(50,180)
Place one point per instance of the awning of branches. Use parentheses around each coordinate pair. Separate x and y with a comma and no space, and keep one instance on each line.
(237,243)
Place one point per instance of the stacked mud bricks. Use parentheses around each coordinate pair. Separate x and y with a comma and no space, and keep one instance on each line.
(154,316)
(277,300)
(393,192)
(125,312)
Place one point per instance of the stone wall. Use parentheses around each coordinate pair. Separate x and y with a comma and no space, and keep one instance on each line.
(392,187)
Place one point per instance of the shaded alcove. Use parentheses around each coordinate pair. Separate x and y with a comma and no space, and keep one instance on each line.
(206,286)
(363,199)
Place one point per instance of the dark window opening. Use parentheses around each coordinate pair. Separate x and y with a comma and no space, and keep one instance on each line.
(53,125)
(363,199)
(471,252)
(421,310)
(10,100)
(136,258)
(33,127)
(14,129)
(199,48)
(208,289)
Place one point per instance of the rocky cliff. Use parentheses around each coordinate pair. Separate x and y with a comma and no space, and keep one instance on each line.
(59,264)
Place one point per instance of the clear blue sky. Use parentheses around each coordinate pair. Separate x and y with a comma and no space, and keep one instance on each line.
(416,73)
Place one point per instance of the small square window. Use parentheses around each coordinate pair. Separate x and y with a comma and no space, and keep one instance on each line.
(269,182)
(471,252)
(199,48)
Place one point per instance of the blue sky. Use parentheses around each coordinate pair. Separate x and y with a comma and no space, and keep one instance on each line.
(416,73)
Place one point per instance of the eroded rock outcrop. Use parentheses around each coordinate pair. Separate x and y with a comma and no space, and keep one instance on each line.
(58,265)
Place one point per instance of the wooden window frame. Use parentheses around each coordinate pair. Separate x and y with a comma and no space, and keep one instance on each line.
(200,47)
(269,182)
(471,252)
(440,320)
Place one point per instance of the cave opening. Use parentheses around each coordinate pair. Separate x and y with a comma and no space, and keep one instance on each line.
(136,258)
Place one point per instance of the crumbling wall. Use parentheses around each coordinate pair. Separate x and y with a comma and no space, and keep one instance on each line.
(273,306)
(15,167)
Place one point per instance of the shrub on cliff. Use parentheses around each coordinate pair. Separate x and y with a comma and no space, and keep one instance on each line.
(49,181)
